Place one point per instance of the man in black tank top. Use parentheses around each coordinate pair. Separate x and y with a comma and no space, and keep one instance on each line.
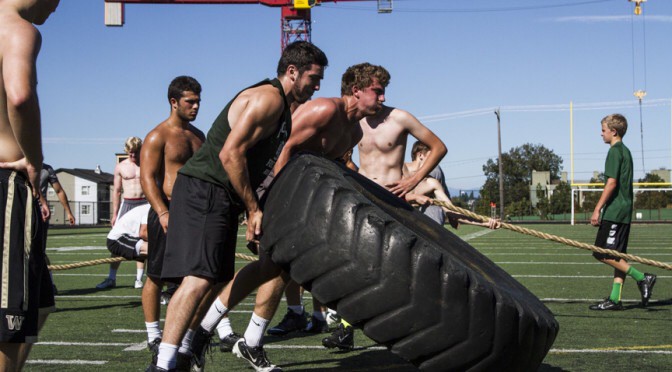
(218,183)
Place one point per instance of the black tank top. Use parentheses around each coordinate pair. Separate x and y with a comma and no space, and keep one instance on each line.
(261,157)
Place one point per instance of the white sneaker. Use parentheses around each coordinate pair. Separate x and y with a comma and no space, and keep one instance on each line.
(138,284)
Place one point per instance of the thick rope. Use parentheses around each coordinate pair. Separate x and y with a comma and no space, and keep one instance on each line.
(555,238)
(118,259)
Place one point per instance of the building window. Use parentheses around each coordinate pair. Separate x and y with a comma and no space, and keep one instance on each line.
(51,192)
(86,190)
(51,210)
(86,209)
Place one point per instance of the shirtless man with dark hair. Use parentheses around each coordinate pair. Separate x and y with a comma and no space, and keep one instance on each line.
(166,149)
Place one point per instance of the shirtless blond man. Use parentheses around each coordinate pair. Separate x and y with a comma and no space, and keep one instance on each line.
(126,181)
(165,150)
(21,162)
(383,147)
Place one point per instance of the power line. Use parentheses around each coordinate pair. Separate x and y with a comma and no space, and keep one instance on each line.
(544,108)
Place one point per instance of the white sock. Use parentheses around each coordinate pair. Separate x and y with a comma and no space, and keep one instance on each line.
(138,274)
(319,315)
(224,327)
(215,313)
(153,331)
(255,330)
(167,358)
(185,347)
(113,274)
(297,309)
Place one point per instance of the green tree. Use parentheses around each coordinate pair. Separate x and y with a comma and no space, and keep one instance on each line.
(561,199)
(517,165)
(651,199)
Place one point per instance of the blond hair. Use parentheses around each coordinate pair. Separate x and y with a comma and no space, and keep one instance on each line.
(616,122)
(132,144)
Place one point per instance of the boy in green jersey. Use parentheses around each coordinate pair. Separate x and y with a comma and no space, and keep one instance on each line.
(616,206)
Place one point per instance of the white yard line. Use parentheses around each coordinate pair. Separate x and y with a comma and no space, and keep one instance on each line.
(475,235)
(67,362)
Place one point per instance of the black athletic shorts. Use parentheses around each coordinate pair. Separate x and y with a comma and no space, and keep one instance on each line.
(203,230)
(20,290)
(612,235)
(156,240)
(125,247)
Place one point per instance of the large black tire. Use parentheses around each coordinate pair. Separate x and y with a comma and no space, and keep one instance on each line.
(409,283)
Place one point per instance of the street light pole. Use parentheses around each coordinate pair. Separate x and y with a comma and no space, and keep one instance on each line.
(501,168)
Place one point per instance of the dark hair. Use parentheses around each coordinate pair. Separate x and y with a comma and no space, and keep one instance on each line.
(418,147)
(301,54)
(183,84)
(361,76)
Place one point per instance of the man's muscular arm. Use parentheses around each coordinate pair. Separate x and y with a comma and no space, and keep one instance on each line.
(151,158)
(426,136)
(307,122)
(257,119)
(20,82)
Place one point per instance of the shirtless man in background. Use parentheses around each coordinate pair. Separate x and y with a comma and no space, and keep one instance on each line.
(165,150)
(383,147)
(126,180)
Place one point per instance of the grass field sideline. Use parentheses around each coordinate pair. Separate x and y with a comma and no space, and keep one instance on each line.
(104,330)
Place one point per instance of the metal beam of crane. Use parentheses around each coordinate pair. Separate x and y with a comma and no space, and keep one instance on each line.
(295,23)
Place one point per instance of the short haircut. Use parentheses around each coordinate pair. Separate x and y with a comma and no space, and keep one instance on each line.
(303,55)
(616,122)
(132,144)
(361,76)
(418,148)
(182,84)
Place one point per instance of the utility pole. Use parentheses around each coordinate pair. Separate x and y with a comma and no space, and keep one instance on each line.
(501,168)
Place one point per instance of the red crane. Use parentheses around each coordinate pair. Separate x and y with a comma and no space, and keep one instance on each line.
(294,16)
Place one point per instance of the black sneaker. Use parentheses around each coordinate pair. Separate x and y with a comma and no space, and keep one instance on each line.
(607,304)
(291,322)
(200,345)
(165,298)
(342,338)
(154,348)
(183,362)
(646,287)
(317,326)
(226,344)
(256,356)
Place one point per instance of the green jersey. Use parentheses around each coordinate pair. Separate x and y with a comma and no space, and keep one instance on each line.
(206,165)
(619,167)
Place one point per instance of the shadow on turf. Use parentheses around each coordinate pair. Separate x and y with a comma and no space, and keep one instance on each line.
(128,305)
(375,360)
(548,368)
(372,359)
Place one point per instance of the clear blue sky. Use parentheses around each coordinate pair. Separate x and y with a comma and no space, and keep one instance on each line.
(452,64)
